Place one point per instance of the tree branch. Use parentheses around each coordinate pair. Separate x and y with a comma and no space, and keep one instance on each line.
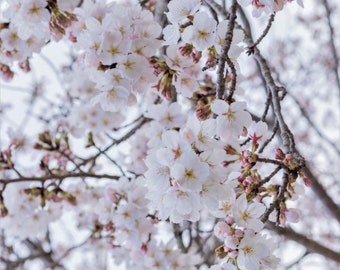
(264,33)
(320,191)
(57,177)
(332,43)
(225,58)
(310,244)
(314,127)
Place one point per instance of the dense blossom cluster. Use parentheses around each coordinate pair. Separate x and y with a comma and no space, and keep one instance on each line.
(196,157)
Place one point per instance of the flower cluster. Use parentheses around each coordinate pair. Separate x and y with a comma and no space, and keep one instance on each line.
(190,156)
(193,168)
(28,26)
(116,42)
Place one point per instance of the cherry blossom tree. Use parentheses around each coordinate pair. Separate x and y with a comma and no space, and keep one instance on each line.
(169,134)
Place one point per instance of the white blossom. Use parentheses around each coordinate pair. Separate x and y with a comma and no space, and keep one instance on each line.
(247,215)
(202,33)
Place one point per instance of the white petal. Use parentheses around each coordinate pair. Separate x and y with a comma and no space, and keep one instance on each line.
(219,106)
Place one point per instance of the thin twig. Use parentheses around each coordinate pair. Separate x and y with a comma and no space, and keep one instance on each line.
(266,109)
(218,8)
(267,179)
(118,141)
(314,127)
(264,33)
(275,129)
(58,177)
(276,203)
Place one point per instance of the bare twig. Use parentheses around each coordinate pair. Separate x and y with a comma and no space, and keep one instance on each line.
(218,8)
(275,129)
(120,140)
(268,103)
(297,261)
(267,179)
(58,177)
(276,203)
(315,128)
(264,33)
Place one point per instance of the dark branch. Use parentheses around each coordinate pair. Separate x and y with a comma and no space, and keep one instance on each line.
(310,244)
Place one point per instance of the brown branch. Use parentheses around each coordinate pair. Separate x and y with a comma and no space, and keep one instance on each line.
(316,186)
(285,133)
(320,191)
(265,144)
(274,89)
(314,127)
(264,33)
(69,250)
(267,179)
(161,7)
(120,140)
(57,177)
(212,10)
(332,43)
(218,8)
(178,236)
(308,243)
(276,203)
(272,161)
(225,58)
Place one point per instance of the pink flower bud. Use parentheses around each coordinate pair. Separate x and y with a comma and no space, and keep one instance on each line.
(229,220)
(279,154)
(238,233)
(307,182)
(144,248)
(6,73)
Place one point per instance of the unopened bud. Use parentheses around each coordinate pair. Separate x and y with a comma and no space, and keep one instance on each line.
(6,73)
(220,252)
(203,112)
(307,182)
(3,210)
(279,154)
(230,150)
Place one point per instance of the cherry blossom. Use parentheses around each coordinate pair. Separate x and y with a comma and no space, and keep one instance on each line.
(202,33)
(251,250)
(142,144)
(231,119)
(168,116)
(179,11)
(180,205)
(190,173)
(247,215)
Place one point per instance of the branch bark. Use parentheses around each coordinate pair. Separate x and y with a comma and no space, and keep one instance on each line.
(332,43)
(57,177)
(320,191)
(225,58)
(308,243)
